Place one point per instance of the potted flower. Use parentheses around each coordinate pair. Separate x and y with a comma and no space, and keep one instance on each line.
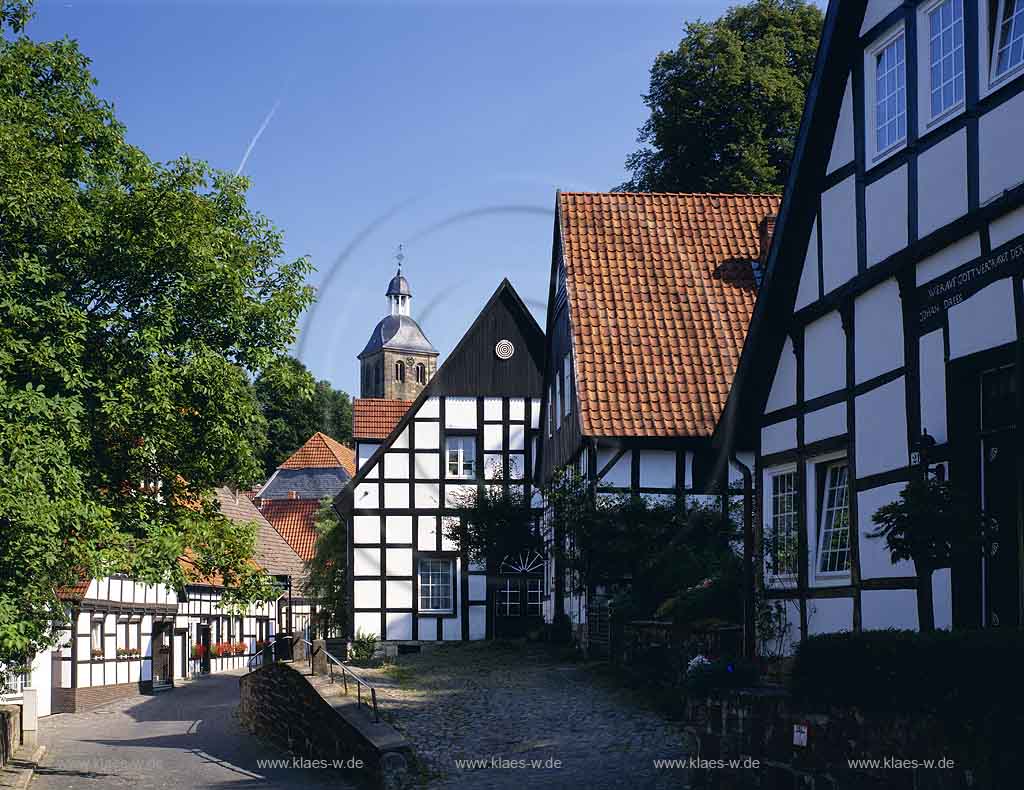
(134,652)
(97,653)
(240,649)
(122,652)
(198,652)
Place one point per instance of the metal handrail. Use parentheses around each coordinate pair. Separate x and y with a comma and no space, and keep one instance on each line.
(345,672)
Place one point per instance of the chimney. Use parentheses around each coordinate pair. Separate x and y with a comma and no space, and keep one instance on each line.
(765,231)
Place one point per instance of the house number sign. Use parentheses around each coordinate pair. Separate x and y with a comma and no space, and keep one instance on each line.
(934,298)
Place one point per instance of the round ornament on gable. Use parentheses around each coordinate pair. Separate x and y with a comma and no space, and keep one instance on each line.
(504,349)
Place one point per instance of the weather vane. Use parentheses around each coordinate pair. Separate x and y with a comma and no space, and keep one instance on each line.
(400,256)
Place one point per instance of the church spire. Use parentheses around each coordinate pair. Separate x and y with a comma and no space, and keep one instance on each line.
(399,294)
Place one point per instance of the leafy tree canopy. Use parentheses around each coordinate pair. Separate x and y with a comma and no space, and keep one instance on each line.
(296,406)
(135,298)
(327,583)
(726,104)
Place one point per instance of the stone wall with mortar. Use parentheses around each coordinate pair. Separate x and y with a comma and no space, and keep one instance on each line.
(279,703)
(10,731)
(798,747)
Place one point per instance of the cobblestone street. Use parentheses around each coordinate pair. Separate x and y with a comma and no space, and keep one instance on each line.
(506,702)
(182,740)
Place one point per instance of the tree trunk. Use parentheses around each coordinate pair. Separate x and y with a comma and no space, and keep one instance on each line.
(925,604)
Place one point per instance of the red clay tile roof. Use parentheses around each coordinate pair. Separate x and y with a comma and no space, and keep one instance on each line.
(320,450)
(74,592)
(661,291)
(374,418)
(294,520)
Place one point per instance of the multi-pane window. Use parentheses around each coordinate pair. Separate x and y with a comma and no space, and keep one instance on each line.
(421,374)
(890,94)
(461,456)
(551,410)
(783,539)
(558,402)
(508,598)
(534,592)
(96,635)
(946,55)
(567,385)
(435,577)
(1009,44)
(834,520)
(399,371)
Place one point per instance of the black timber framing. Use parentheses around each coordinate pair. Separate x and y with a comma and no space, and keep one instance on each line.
(462,375)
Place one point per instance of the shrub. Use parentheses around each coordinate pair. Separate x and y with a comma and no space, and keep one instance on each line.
(364,646)
(962,673)
(704,676)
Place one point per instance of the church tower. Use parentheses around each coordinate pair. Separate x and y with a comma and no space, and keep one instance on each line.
(398,360)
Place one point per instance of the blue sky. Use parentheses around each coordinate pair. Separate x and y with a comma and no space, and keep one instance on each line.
(444,125)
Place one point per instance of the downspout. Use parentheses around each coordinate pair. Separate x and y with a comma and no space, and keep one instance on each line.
(749,633)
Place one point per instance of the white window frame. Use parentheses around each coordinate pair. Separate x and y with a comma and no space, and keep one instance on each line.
(558,402)
(426,586)
(534,596)
(991,48)
(928,120)
(768,529)
(460,443)
(567,384)
(551,411)
(821,513)
(508,595)
(95,644)
(870,98)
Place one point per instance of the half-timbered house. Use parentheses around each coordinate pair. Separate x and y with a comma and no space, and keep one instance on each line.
(112,645)
(888,331)
(649,303)
(473,421)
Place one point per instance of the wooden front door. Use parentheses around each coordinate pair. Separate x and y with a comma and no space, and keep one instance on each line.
(518,595)
(204,640)
(1000,464)
(162,653)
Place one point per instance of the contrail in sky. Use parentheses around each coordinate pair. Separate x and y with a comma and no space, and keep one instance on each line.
(255,137)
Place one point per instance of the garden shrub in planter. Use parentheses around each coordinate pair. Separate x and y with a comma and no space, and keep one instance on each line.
(962,673)
(364,646)
(704,676)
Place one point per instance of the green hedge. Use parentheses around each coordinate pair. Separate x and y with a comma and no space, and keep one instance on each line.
(963,673)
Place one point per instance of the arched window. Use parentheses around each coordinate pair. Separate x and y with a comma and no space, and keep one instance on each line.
(421,374)
(399,371)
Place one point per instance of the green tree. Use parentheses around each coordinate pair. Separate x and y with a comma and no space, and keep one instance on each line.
(493,524)
(134,298)
(327,583)
(295,406)
(932,523)
(726,104)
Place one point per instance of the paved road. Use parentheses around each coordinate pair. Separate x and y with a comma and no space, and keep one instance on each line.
(529,720)
(184,739)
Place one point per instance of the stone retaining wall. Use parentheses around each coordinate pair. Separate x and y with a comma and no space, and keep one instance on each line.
(10,731)
(795,747)
(279,703)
